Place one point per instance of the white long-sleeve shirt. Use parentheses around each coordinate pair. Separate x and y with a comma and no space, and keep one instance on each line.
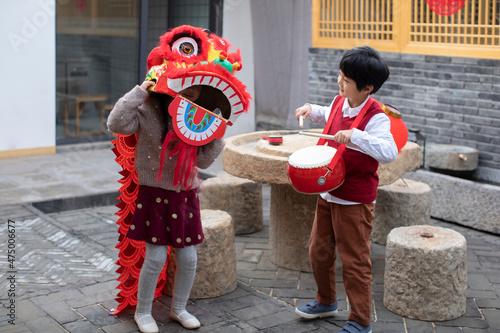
(375,141)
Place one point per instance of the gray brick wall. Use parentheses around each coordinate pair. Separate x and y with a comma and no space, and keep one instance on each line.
(451,100)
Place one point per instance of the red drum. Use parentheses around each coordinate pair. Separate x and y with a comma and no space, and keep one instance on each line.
(308,173)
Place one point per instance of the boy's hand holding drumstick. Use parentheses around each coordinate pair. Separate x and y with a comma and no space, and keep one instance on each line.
(342,137)
(302,113)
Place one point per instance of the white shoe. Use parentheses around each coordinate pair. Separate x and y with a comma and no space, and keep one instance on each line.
(186,319)
(150,327)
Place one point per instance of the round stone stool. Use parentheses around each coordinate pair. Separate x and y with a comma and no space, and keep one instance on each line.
(402,203)
(425,273)
(216,269)
(241,198)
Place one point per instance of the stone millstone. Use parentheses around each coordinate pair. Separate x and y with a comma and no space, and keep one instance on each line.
(402,203)
(425,273)
(216,269)
(451,157)
(241,198)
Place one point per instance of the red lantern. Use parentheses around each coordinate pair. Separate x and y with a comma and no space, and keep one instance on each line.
(398,126)
(445,7)
(81,5)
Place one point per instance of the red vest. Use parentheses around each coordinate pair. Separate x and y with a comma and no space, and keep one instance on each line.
(361,179)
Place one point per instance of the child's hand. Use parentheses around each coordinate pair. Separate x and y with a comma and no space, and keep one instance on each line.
(146,85)
(343,137)
(303,111)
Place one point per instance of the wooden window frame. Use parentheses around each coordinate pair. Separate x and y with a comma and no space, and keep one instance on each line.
(395,26)
(119,18)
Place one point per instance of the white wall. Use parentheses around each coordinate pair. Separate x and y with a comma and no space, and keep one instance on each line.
(282,36)
(237,29)
(27,84)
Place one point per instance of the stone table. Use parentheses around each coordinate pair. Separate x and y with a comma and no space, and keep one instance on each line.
(292,213)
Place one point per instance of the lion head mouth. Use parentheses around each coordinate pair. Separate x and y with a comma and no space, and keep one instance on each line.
(215,94)
(218,89)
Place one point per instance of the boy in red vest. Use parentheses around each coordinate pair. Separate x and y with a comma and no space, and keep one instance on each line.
(343,220)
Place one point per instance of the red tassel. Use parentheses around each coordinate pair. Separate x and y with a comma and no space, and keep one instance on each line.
(185,171)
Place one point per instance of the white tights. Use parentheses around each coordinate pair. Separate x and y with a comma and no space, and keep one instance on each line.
(154,261)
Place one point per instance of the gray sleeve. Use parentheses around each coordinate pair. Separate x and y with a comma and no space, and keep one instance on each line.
(123,119)
(208,153)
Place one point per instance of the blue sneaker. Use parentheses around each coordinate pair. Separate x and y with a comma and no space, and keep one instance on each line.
(317,310)
(354,327)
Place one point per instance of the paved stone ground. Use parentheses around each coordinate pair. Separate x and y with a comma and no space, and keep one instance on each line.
(65,282)
(80,170)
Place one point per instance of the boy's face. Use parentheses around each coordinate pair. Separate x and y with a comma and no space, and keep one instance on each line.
(349,89)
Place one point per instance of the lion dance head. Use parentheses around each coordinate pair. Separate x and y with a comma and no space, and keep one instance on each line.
(187,57)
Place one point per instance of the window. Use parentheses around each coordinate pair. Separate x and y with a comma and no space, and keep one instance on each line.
(475,24)
(198,13)
(97,50)
(471,29)
(101,52)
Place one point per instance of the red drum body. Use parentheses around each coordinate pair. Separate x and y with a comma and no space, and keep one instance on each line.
(308,173)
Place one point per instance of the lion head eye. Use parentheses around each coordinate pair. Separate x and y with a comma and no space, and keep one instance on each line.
(186,46)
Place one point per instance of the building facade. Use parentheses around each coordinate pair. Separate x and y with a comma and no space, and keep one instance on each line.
(444,62)
(66,62)
(444,58)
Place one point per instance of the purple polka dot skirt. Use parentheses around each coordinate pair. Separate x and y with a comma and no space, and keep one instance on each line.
(167,217)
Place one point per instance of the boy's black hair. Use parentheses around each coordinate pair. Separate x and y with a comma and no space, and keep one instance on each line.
(365,66)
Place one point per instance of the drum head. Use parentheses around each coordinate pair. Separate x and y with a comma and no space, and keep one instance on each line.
(312,157)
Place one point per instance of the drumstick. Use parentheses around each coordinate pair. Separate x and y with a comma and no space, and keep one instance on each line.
(301,121)
(318,135)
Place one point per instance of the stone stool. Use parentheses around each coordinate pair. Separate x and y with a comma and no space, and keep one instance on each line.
(402,203)
(216,269)
(425,273)
(241,198)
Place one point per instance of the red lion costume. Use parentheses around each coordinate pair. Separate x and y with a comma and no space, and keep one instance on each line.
(185,57)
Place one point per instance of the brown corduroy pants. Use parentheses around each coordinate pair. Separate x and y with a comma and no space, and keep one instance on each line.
(346,228)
